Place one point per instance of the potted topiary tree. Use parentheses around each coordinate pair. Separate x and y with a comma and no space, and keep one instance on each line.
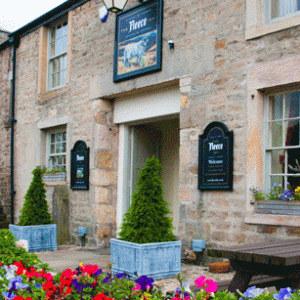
(147,245)
(35,224)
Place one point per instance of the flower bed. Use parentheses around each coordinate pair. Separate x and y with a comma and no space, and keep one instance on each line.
(19,282)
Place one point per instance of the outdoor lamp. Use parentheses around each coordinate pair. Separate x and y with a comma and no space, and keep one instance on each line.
(115,6)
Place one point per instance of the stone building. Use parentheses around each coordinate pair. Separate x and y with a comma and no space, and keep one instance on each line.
(233,62)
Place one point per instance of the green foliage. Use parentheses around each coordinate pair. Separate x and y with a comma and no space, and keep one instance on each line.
(224,295)
(35,208)
(9,253)
(146,220)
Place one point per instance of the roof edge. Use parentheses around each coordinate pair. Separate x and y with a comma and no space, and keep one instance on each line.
(46,18)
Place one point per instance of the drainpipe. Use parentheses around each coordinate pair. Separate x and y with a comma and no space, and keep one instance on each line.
(14,40)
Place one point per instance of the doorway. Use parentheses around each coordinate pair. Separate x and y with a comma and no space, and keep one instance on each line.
(139,142)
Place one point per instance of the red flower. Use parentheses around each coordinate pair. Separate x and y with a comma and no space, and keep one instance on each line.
(48,285)
(102,297)
(90,269)
(18,298)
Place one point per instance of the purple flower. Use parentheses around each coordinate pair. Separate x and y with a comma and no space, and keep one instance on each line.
(283,294)
(120,275)
(8,295)
(97,273)
(143,281)
(253,292)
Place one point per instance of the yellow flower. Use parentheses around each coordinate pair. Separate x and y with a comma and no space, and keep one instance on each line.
(80,264)
(5,237)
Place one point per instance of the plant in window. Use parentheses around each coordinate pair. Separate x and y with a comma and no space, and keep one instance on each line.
(277,193)
(146,220)
(54,169)
(35,208)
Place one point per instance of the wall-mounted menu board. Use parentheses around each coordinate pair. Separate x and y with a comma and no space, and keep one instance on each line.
(215,170)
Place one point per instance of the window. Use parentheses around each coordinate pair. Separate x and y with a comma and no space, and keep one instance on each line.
(57,54)
(283,135)
(281,8)
(268,16)
(57,149)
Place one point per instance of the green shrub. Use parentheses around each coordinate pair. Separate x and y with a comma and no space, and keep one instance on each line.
(35,210)
(9,253)
(146,220)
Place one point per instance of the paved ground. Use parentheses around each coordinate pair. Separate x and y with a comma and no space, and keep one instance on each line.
(70,257)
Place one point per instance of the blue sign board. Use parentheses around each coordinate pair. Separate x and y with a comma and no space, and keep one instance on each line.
(215,158)
(138,41)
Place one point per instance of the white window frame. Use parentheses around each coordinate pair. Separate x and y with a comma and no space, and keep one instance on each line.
(258,22)
(48,150)
(50,83)
(268,148)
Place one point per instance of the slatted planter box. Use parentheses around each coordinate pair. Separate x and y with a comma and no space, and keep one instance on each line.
(156,260)
(277,207)
(39,237)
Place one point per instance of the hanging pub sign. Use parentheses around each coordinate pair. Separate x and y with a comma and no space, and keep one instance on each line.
(138,41)
(215,158)
(80,161)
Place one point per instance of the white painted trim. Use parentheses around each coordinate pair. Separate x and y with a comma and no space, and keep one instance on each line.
(147,105)
(122,170)
(52,122)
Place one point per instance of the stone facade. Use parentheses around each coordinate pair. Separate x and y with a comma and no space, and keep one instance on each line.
(215,68)
(3,35)
(5,92)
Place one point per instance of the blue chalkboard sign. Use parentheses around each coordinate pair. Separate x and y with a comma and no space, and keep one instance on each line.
(80,170)
(215,171)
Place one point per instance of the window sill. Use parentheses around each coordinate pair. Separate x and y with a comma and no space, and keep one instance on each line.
(263,29)
(276,220)
(53,93)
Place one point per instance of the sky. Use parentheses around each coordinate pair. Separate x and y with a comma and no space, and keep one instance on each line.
(17,13)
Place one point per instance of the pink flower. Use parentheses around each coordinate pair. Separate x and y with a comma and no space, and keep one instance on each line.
(211,286)
(137,288)
(200,281)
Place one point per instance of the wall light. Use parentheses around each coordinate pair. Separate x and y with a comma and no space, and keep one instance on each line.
(115,6)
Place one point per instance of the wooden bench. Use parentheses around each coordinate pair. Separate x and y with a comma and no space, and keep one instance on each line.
(275,259)
(261,281)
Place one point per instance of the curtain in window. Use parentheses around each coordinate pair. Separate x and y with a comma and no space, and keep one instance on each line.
(287,7)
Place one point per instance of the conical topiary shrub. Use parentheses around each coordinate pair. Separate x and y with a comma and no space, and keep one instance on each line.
(146,220)
(35,209)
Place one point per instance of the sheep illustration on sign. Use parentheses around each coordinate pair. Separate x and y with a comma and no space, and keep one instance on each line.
(135,50)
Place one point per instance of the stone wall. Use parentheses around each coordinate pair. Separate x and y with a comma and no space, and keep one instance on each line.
(3,36)
(211,61)
(5,98)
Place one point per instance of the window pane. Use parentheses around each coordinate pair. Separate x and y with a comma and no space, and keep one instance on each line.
(292,133)
(277,161)
(52,149)
(277,181)
(275,135)
(276,107)
(61,31)
(280,8)
(63,77)
(63,149)
(61,46)
(59,137)
(292,105)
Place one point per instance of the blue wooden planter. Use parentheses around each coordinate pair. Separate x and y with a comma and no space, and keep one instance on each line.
(39,237)
(156,260)
(277,207)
